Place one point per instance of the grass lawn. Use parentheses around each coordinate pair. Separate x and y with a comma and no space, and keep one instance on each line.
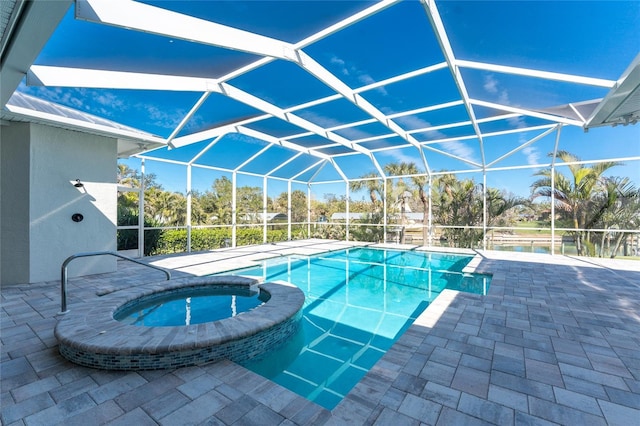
(533,224)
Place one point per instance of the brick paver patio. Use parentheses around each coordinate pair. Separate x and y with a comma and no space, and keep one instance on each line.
(556,341)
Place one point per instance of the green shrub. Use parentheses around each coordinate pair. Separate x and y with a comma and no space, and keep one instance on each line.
(127,239)
(175,240)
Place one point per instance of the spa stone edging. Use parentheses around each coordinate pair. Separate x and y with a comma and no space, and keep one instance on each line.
(89,335)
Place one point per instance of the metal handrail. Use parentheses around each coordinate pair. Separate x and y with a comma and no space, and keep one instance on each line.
(63,274)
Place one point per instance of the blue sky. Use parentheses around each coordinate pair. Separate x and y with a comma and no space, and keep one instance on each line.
(590,38)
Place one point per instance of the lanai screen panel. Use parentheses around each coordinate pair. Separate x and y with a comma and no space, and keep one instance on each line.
(432,83)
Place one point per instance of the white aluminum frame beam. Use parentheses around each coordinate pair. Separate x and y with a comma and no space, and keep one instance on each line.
(187,117)
(74,77)
(309,40)
(154,20)
(322,74)
(253,157)
(547,75)
(205,149)
(523,111)
(443,39)
(316,164)
(44,75)
(458,138)
(284,163)
(455,157)
(316,173)
(522,146)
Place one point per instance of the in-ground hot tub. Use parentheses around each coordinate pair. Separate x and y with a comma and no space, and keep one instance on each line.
(89,335)
(190,305)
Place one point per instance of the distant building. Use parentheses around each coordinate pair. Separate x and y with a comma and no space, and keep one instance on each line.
(259,217)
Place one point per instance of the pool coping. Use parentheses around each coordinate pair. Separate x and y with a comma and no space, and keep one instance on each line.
(90,336)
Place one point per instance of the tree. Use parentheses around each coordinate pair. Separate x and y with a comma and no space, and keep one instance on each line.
(167,208)
(248,203)
(218,201)
(459,203)
(298,205)
(198,214)
(401,192)
(616,207)
(420,182)
(370,181)
(573,195)
(126,176)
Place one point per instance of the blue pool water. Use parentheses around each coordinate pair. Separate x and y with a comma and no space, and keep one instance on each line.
(358,303)
(188,306)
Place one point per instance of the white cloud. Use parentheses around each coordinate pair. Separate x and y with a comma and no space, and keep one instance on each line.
(161,118)
(490,84)
(98,102)
(341,64)
(532,154)
(403,156)
(454,147)
(411,122)
(347,69)
(503,97)
(517,122)
(353,133)
(459,149)
(318,119)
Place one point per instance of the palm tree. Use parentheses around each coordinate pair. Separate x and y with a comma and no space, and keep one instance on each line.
(572,195)
(617,207)
(420,182)
(127,176)
(168,208)
(402,190)
(370,181)
(198,213)
(460,204)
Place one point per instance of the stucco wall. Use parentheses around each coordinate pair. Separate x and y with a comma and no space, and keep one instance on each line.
(38,200)
(57,157)
(14,211)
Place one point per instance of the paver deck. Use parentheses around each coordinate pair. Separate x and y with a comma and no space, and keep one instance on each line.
(555,341)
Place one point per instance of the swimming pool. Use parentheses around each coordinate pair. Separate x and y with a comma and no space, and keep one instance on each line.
(358,302)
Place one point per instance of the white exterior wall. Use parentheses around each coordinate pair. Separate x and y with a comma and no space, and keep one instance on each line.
(56,157)
(14,210)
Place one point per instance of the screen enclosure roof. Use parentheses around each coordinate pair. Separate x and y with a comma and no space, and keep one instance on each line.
(321,90)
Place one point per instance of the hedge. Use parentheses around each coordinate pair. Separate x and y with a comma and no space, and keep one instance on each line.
(175,240)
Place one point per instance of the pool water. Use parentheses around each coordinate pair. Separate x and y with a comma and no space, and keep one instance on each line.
(358,303)
(189,306)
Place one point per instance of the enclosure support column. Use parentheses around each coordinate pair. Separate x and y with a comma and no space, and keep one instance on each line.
(484,209)
(264,209)
(289,210)
(553,198)
(141,212)
(384,210)
(430,217)
(348,221)
(234,184)
(188,208)
(308,210)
